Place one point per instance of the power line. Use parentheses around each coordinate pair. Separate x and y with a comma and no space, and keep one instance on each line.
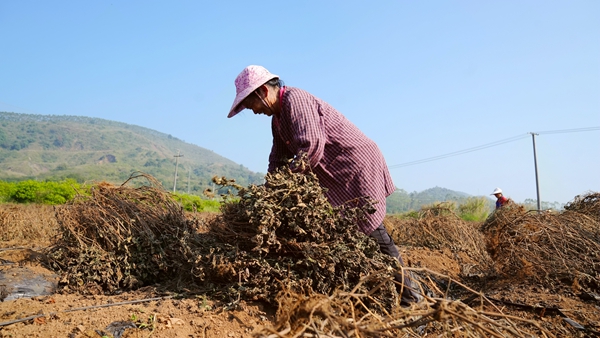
(488,145)
(460,152)
(568,130)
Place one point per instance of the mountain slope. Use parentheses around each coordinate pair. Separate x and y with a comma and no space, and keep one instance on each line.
(44,147)
(401,201)
(91,149)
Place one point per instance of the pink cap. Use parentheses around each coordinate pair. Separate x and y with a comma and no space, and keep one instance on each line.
(246,82)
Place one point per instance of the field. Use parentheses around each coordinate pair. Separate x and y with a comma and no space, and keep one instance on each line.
(518,274)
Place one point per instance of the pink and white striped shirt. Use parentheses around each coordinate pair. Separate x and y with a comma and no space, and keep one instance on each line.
(346,161)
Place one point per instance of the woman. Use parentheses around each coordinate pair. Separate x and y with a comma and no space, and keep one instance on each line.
(346,162)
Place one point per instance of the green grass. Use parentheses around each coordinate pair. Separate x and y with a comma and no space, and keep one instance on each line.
(60,192)
(472,209)
(196,203)
(47,192)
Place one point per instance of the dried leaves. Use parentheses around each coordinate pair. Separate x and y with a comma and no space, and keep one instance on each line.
(286,232)
(282,232)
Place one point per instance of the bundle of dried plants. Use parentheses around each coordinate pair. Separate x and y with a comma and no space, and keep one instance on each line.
(439,227)
(285,232)
(121,237)
(550,248)
(587,204)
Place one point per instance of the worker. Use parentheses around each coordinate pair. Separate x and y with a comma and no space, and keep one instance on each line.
(347,163)
(501,200)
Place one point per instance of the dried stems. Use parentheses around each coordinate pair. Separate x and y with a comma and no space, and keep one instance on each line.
(548,248)
(120,237)
(344,314)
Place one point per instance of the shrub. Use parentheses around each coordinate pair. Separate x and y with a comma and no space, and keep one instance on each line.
(25,192)
(31,191)
(5,191)
(58,192)
(474,209)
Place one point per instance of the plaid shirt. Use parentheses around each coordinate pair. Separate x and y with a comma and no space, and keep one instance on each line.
(347,163)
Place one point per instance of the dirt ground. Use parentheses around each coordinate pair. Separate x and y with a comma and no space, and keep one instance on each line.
(151,312)
(148,312)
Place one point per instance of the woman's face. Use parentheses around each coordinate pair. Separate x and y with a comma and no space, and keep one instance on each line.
(255,103)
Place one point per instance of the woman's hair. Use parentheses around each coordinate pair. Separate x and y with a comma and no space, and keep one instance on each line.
(276,82)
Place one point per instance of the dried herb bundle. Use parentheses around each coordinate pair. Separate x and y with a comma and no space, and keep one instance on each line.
(120,238)
(437,228)
(549,248)
(285,231)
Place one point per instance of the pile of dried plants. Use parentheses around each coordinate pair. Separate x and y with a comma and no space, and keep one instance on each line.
(549,248)
(120,238)
(22,224)
(283,243)
(439,227)
(345,314)
(586,205)
(285,232)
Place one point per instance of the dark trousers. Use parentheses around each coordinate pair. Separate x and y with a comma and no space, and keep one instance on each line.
(410,290)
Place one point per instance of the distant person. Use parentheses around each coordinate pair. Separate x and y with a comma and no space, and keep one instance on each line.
(346,162)
(501,200)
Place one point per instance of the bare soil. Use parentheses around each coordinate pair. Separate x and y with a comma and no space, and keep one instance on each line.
(153,312)
(171,315)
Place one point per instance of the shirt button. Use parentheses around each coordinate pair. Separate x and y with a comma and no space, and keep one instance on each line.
(287,142)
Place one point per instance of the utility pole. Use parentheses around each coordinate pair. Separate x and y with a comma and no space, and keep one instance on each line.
(176,165)
(189,170)
(537,181)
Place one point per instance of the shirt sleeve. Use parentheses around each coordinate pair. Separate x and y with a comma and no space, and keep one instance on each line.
(302,117)
(279,155)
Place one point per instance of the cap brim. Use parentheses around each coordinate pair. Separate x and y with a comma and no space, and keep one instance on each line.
(236,107)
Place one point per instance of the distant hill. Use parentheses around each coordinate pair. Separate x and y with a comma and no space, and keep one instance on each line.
(48,147)
(401,201)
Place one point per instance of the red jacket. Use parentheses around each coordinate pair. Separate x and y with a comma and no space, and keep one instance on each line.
(501,201)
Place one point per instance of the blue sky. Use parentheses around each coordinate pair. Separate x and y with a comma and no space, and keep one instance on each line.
(421,78)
